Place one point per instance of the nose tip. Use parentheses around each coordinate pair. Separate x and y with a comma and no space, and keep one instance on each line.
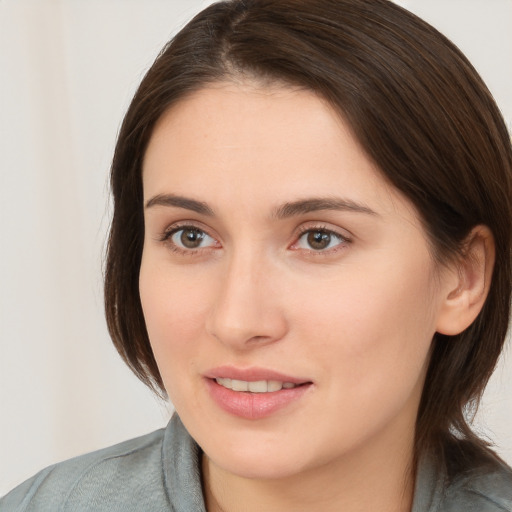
(239,337)
(244,313)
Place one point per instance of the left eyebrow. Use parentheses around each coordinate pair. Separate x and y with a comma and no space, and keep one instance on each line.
(317,204)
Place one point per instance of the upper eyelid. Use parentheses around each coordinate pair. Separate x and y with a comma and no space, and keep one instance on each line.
(323,226)
(165,238)
(342,238)
(328,231)
(176,226)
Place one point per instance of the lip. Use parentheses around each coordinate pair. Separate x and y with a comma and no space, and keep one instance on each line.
(254,406)
(252,374)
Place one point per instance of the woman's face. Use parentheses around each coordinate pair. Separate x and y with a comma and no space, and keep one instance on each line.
(277,261)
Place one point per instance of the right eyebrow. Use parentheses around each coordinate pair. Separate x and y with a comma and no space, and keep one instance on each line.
(180,202)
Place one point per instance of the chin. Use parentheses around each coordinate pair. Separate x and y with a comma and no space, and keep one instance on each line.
(258,467)
(258,455)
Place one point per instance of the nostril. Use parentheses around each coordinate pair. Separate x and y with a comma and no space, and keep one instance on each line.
(258,339)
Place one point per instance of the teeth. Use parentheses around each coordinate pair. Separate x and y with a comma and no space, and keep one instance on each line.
(274,385)
(224,382)
(239,385)
(258,386)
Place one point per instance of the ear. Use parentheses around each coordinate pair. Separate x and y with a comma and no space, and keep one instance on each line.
(467,283)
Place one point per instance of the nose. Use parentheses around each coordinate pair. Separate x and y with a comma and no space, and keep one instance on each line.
(247,310)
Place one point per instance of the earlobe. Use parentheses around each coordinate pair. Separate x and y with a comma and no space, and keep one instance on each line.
(467,286)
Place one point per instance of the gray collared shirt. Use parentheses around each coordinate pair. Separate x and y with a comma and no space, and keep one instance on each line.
(161,472)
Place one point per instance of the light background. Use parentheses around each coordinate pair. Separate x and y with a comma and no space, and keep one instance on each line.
(68,69)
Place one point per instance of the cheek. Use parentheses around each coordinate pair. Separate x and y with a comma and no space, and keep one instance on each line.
(169,309)
(375,326)
(174,308)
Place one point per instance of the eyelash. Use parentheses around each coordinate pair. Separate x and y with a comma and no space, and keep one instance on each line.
(166,237)
(343,239)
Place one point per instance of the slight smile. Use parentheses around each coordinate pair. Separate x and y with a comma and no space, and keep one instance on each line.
(258,386)
(254,393)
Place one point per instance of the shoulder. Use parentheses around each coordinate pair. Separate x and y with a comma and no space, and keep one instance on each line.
(110,476)
(486,489)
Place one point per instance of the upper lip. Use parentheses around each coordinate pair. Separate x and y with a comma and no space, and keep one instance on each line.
(251,374)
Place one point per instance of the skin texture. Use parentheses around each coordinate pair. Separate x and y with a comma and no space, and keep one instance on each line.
(355,319)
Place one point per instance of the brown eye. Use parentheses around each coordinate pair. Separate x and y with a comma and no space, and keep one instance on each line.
(191,238)
(319,240)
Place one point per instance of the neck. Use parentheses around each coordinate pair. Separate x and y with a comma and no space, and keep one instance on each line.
(360,482)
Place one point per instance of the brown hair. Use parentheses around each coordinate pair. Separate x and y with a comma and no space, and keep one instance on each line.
(417,107)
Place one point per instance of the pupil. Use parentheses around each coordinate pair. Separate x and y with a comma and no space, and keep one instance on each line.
(191,238)
(319,239)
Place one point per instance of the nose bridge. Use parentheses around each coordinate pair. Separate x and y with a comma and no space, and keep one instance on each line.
(244,309)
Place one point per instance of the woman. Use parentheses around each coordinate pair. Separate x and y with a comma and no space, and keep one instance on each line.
(310,254)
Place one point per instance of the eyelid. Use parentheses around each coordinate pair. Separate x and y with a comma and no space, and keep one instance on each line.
(342,234)
(176,226)
(166,237)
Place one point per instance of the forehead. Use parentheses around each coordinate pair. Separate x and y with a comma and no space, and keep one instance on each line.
(234,141)
(247,116)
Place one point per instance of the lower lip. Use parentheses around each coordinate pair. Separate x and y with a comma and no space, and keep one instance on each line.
(253,406)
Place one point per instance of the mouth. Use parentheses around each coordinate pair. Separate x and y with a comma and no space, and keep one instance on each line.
(255,394)
(258,386)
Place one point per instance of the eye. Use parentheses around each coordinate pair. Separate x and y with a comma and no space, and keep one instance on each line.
(319,239)
(190,237)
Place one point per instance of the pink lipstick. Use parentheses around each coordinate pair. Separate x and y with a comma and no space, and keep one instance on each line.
(253,393)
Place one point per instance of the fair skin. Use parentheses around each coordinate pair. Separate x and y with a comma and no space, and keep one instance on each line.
(274,249)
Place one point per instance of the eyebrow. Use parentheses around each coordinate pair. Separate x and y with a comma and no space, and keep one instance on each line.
(317,204)
(180,202)
(286,210)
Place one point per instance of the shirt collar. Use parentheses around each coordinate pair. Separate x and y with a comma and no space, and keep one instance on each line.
(181,457)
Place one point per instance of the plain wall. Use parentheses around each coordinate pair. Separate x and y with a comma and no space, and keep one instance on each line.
(68,69)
